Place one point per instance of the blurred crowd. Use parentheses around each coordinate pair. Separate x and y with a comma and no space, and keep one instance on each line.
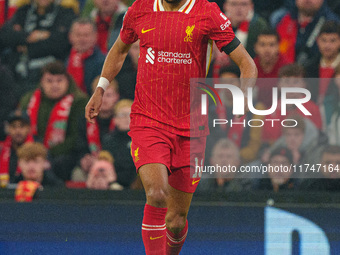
(51,55)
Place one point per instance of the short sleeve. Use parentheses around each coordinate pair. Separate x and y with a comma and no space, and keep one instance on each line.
(221,30)
(127,33)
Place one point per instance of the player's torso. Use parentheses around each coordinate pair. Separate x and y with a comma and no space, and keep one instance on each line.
(173,43)
(173,49)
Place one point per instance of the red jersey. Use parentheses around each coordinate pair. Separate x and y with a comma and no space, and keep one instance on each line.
(174,47)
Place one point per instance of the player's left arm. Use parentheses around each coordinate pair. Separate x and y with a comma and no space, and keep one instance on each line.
(247,67)
(222,33)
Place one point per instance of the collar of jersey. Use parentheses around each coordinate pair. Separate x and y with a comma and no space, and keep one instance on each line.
(186,8)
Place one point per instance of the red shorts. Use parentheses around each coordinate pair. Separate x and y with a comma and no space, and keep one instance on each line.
(180,154)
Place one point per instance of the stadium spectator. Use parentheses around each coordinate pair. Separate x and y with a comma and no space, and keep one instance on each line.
(291,75)
(32,159)
(268,61)
(330,175)
(323,66)
(280,178)
(85,60)
(8,97)
(298,29)
(224,154)
(332,110)
(102,175)
(37,34)
(108,16)
(266,8)
(287,76)
(118,144)
(19,132)
(246,138)
(54,109)
(128,74)
(72,4)
(303,140)
(91,135)
(246,23)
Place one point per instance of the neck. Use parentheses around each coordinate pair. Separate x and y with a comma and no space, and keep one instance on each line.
(173,6)
(329,60)
(38,179)
(81,51)
(236,24)
(305,18)
(15,145)
(104,14)
(268,66)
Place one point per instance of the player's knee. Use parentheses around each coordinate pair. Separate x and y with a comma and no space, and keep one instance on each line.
(157,197)
(175,222)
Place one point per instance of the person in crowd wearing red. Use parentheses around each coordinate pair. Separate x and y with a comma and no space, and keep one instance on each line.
(108,16)
(85,60)
(268,61)
(54,109)
(331,108)
(323,65)
(245,22)
(19,132)
(304,141)
(246,138)
(292,76)
(91,135)
(298,29)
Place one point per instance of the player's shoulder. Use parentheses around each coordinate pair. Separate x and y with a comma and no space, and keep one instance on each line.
(204,6)
(141,5)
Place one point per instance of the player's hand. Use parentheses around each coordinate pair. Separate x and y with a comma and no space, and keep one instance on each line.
(93,106)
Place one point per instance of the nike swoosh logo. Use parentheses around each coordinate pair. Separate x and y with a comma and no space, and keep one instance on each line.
(157,237)
(148,30)
(194,182)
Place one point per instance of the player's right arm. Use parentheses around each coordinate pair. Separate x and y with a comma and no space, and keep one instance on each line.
(113,62)
(112,65)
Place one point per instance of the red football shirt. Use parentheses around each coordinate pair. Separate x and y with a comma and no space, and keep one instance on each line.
(174,47)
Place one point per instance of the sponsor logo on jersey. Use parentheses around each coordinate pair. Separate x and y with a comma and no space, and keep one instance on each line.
(174,57)
(136,154)
(189,30)
(168,57)
(147,30)
(225,25)
(223,16)
(150,56)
